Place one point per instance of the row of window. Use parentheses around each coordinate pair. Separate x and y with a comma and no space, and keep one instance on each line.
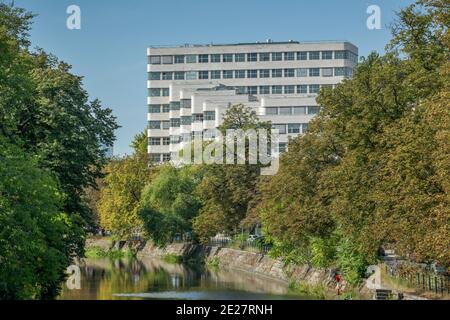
(158,157)
(277,89)
(251,74)
(254,57)
(157,141)
(287,111)
(291,128)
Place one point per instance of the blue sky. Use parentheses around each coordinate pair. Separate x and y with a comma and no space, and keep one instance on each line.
(110,49)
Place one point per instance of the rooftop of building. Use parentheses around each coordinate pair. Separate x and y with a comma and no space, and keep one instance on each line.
(267,42)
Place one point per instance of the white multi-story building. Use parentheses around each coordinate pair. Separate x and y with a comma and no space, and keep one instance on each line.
(190,86)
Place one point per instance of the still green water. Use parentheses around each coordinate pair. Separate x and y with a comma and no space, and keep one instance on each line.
(156,279)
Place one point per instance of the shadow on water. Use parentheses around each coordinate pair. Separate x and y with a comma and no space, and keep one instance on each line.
(156,279)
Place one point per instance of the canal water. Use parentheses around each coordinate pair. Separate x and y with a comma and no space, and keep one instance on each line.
(150,278)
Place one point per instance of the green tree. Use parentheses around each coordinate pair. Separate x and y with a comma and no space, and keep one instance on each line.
(120,196)
(36,237)
(169,204)
(226,190)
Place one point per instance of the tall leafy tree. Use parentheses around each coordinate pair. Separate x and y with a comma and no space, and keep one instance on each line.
(120,196)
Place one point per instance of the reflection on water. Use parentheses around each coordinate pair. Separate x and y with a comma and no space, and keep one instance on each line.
(156,279)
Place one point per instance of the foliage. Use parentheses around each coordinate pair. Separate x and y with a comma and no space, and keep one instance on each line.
(227,190)
(374,165)
(119,199)
(51,138)
(169,204)
(37,238)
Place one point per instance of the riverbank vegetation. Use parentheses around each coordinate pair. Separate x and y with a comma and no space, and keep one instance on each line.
(372,171)
(52,141)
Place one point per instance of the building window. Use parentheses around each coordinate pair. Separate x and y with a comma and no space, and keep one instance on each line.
(252,73)
(340,72)
(215,74)
(154,76)
(285,111)
(154,124)
(277,73)
(165,92)
(174,139)
(341,54)
(209,115)
(314,55)
(179,59)
(179,75)
(167,59)
(280,127)
(166,157)
(299,110)
(252,57)
(154,108)
(165,108)
(154,92)
(228,57)
(175,122)
(294,128)
(154,59)
(327,72)
(302,89)
(304,127)
(314,72)
(165,125)
(215,58)
(327,55)
(282,147)
(166,141)
(175,105)
(203,58)
(241,90)
(302,72)
(167,75)
(228,74)
(264,90)
(203,75)
(252,90)
(277,89)
(277,56)
(239,57)
(313,110)
(239,74)
(302,55)
(197,117)
(289,56)
(289,89)
(264,73)
(191,75)
(289,73)
(154,141)
(271,111)
(265,56)
(186,120)
(192,58)
(185,103)
(155,157)
(314,88)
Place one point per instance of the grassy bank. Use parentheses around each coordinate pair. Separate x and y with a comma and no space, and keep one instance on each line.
(98,253)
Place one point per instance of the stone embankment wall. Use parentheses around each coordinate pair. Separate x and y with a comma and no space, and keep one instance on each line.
(252,262)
